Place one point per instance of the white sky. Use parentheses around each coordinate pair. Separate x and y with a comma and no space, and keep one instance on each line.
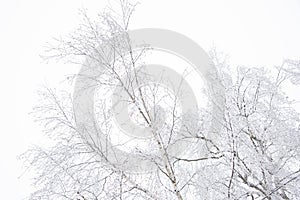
(253,33)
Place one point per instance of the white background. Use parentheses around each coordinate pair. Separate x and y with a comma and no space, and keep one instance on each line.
(258,33)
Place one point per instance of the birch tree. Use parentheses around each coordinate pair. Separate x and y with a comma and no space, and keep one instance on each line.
(254,153)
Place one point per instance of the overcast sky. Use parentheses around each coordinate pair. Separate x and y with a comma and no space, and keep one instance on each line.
(252,33)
